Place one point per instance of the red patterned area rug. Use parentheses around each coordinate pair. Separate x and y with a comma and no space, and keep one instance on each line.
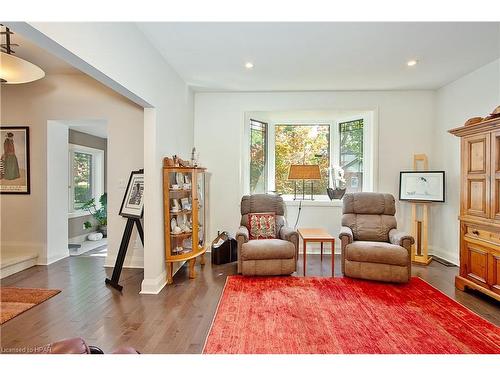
(14,301)
(292,315)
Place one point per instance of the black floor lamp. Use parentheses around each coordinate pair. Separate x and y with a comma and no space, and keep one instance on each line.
(303,172)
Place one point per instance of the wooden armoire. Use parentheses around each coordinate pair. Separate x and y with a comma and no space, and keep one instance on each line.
(480,207)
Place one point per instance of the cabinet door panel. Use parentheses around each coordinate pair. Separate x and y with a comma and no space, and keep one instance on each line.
(476,170)
(477,263)
(495,175)
(494,272)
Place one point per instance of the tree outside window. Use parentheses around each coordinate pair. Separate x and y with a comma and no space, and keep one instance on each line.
(82,178)
(351,154)
(258,157)
(301,144)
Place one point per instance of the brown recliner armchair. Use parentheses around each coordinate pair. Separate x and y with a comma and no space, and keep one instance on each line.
(372,247)
(266,257)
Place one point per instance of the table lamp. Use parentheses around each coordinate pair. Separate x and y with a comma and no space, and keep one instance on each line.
(304,172)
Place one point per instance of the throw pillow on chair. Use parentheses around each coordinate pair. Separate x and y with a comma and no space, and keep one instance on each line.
(262,226)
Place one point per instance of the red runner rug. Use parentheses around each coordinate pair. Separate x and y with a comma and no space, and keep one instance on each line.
(292,315)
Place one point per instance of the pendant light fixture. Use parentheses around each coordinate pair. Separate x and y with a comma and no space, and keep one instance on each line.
(14,70)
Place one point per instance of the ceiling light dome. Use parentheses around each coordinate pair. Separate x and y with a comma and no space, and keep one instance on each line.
(14,70)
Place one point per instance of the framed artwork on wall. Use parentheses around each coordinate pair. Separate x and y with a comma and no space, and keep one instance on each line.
(424,186)
(133,201)
(15,160)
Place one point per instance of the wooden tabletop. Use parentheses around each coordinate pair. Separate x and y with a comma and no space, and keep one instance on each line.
(315,233)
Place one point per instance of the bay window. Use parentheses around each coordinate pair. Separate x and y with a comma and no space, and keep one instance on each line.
(274,147)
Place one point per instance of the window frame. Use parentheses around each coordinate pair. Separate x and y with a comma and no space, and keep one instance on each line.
(266,153)
(370,150)
(97,176)
(271,175)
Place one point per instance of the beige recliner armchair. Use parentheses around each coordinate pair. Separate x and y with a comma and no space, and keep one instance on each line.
(266,257)
(372,247)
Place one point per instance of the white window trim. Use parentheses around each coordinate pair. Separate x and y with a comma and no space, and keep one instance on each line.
(370,152)
(368,157)
(97,176)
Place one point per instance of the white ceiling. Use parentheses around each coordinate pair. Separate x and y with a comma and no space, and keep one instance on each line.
(99,128)
(323,56)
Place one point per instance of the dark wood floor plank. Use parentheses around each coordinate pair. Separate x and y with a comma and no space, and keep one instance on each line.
(176,320)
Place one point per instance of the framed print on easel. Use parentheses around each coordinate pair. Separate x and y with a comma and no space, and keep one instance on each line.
(132,208)
(133,201)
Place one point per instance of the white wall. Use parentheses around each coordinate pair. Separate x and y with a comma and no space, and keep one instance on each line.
(57,188)
(475,94)
(67,97)
(405,126)
(129,64)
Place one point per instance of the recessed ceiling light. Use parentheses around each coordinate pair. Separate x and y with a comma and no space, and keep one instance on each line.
(249,65)
(412,62)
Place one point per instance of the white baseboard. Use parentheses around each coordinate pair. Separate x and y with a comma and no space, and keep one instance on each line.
(154,286)
(446,255)
(20,265)
(53,259)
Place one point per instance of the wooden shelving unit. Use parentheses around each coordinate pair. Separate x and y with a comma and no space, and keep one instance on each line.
(189,243)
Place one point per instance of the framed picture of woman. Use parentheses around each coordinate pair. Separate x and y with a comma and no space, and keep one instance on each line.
(15,160)
(133,201)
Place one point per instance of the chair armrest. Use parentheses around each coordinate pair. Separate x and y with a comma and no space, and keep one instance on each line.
(242,234)
(242,237)
(288,234)
(75,345)
(397,237)
(346,232)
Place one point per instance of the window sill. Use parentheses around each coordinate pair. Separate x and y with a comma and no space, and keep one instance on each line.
(319,201)
(72,215)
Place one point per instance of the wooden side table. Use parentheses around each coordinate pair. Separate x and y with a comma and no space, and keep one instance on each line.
(317,235)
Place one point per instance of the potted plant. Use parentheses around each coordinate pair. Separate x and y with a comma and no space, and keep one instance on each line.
(338,182)
(100,214)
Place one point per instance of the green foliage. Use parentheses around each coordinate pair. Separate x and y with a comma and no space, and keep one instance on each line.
(87,225)
(82,172)
(304,144)
(351,153)
(101,213)
(258,157)
(351,145)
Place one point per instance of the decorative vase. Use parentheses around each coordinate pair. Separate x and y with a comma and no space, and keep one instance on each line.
(104,230)
(95,236)
(335,193)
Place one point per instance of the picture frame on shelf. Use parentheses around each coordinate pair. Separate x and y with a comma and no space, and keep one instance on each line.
(133,200)
(422,186)
(186,205)
(15,160)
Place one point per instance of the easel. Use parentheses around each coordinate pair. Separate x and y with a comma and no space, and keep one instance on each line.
(123,251)
(420,227)
(132,219)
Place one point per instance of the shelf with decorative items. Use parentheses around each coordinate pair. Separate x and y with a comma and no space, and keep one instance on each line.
(184,212)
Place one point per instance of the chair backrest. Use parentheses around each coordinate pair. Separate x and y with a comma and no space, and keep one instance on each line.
(258,203)
(369,215)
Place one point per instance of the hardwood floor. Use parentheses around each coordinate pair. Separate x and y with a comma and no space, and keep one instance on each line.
(175,321)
